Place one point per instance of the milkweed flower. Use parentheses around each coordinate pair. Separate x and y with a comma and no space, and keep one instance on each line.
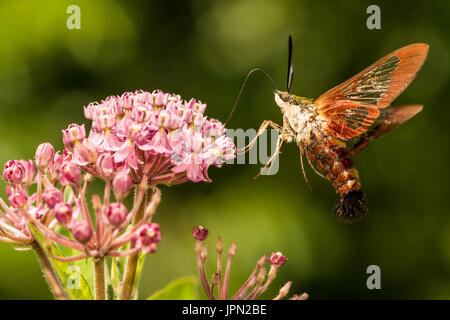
(256,284)
(154,135)
(138,140)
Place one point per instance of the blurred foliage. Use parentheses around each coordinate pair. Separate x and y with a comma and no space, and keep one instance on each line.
(203,49)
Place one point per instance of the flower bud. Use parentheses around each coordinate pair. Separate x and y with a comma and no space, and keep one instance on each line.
(52,196)
(63,213)
(14,172)
(121,185)
(44,155)
(200,232)
(70,174)
(105,164)
(277,259)
(18,199)
(81,231)
(147,237)
(117,213)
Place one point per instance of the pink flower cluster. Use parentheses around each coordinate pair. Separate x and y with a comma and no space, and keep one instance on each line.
(151,134)
(137,140)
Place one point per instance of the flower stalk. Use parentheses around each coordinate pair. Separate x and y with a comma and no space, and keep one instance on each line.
(256,284)
(133,259)
(49,273)
(99,276)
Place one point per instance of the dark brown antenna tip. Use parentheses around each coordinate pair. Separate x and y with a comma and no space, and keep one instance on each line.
(290,71)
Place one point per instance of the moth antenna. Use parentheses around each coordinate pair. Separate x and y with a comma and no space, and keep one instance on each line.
(242,89)
(303,170)
(290,71)
(312,167)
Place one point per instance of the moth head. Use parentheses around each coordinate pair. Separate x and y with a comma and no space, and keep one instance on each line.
(283,99)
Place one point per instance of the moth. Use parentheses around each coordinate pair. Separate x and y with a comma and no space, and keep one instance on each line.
(342,121)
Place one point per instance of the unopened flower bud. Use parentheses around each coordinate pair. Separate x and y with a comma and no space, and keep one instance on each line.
(283,291)
(63,213)
(14,172)
(303,296)
(81,231)
(70,174)
(204,253)
(272,272)
(52,196)
(105,164)
(261,275)
(122,185)
(44,155)
(215,279)
(277,259)
(232,250)
(219,245)
(200,232)
(18,199)
(117,213)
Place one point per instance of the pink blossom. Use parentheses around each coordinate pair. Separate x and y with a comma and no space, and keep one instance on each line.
(18,199)
(70,174)
(73,135)
(147,237)
(200,232)
(52,196)
(277,259)
(14,172)
(152,133)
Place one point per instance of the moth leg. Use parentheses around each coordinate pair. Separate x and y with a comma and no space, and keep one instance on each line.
(312,166)
(303,170)
(261,130)
(274,155)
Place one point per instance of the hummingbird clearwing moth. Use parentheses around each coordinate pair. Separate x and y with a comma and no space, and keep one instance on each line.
(342,121)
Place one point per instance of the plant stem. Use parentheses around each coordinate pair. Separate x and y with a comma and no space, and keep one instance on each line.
(100,279)
(49,272)
(133,259)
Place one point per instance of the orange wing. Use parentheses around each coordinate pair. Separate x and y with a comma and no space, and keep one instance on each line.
(352,107)
(394,116)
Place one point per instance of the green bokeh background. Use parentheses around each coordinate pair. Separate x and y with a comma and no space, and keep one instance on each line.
(203,49)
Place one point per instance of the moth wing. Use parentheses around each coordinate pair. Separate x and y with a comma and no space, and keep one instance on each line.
(352,107)
(393,117)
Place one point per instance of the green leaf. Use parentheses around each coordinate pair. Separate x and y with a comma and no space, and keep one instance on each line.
(117,266)
(137,277)
(67,193)
(76,277)
(180,289)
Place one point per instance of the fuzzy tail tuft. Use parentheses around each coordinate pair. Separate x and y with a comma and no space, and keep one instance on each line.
(352,207)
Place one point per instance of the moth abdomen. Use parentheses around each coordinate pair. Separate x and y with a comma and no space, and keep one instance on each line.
(335,162)
(351,207)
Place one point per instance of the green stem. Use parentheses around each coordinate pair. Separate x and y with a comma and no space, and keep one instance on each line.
(99,269)
(133,259)
(49,272)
